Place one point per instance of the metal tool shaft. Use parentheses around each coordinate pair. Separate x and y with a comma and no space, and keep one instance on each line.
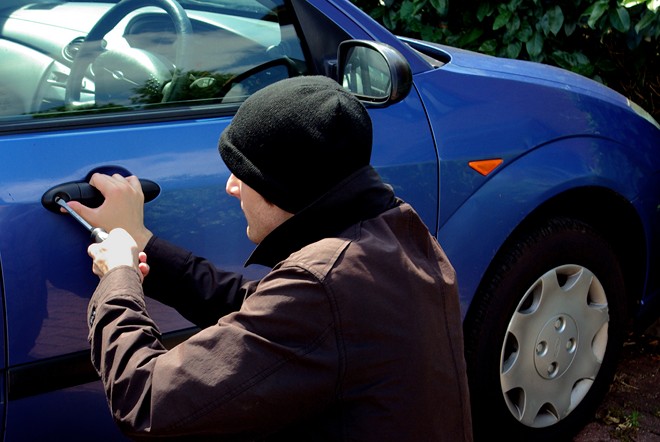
(78,218)
(97,233)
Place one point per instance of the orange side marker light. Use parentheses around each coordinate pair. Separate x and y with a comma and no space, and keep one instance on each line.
(485,167)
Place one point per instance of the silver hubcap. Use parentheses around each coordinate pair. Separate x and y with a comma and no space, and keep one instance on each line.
(554,346)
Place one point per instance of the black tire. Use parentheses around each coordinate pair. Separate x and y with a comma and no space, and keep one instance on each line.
(539,363)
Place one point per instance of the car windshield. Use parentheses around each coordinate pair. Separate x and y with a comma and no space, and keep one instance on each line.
(64,58)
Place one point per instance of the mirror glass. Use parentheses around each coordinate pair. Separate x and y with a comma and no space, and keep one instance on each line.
(366,73)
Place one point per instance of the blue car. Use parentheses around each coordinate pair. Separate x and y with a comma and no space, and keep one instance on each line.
(542,186)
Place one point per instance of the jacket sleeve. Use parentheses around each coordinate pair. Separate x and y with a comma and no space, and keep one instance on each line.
(199,291)
(253,372)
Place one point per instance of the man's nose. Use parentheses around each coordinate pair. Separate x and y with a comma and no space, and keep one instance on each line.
(233,186)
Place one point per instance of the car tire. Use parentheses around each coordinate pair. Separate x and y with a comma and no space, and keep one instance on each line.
(544,332)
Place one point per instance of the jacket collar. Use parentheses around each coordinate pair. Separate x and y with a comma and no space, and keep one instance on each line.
(360,196)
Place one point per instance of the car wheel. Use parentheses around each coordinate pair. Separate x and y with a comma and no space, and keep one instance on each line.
(544,332)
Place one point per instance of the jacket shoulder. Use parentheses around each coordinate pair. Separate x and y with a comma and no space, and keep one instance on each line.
(321,256)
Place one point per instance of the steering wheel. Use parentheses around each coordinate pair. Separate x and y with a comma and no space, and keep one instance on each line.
(258,77)
(133,66)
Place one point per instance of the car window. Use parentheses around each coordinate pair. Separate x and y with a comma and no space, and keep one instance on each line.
(68,58)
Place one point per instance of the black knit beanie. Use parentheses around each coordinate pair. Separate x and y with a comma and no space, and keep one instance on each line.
(295,139)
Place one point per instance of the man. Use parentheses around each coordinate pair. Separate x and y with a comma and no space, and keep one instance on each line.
(355,333)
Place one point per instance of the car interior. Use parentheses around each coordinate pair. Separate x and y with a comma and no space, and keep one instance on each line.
(71,57)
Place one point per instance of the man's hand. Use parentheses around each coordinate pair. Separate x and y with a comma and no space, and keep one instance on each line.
(119,249)
(123,207)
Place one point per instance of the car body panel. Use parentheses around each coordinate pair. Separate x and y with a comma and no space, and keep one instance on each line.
(475,232)
(525,71)
(647,206)
(77,414)
(532,137)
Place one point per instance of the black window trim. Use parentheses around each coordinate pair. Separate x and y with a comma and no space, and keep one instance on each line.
(86,121)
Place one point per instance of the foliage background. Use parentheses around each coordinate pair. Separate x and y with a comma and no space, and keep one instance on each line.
(616,42)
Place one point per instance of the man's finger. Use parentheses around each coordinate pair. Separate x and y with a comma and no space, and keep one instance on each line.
(135,182)
(92,250)
(80,209)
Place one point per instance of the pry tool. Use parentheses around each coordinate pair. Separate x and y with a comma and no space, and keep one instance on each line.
(97,233)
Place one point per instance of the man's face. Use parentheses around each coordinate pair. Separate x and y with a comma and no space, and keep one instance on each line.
(262,216)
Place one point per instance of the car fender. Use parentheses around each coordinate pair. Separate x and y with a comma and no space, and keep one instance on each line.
(475,232)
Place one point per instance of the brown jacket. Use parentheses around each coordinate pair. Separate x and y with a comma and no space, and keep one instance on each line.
(354,335)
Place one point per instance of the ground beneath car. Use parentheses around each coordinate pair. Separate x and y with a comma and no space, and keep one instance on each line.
(631,410)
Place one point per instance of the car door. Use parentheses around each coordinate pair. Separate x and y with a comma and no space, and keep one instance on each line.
(120,102)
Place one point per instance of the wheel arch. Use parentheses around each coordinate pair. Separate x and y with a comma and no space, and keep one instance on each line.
(591,179)
(549,235)
(611,215)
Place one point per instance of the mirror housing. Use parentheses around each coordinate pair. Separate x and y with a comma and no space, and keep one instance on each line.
(376,73)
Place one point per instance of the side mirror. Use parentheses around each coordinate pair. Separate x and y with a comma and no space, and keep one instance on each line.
(375,72)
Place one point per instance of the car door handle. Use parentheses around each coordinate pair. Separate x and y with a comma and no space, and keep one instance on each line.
(88,195)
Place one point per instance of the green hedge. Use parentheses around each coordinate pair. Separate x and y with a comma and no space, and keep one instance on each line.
(616,42)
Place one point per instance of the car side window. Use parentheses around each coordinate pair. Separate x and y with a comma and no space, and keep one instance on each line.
(72,58)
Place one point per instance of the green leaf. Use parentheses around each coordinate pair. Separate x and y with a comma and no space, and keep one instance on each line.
(470,37)
(620,19)
(488,47)
(513,49)
(535,45)
(555,19)
(393,19)
(441,6)
(569,28)
(430,33)
(484,10)
(597,10)
(581,59)
(647,19)
(525,32)
(563,59)
(418,5)
(387,21)
(514,24)
(407,9)
(514,4)
(583,65)
(502,19)
(575,61)
(607,65)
